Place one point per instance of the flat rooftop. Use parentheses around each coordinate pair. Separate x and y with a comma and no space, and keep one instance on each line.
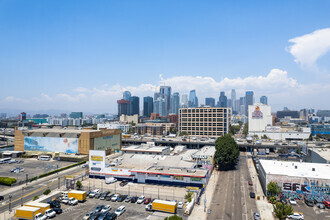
(145,148)
(323,152)
(322,170)
(206,151)
(161,164)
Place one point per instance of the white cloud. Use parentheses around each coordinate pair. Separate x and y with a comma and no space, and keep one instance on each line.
(307,49)
(281,89)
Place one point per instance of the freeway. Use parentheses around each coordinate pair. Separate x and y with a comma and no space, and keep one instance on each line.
(36,188)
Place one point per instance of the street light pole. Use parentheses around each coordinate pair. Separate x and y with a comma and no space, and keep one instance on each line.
(10,196)
(22,196)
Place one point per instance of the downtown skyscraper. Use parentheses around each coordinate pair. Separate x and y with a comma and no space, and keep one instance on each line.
(193,100)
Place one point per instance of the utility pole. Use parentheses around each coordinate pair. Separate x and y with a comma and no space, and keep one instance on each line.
(58,182)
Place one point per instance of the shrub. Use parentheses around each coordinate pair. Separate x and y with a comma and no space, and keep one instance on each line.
(35,198)
(47,191)
(272,200)
(7,181)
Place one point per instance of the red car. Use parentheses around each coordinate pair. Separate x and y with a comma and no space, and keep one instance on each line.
(250,183)
(326,203)
(147,201)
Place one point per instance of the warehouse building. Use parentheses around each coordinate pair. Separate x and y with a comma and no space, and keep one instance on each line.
(184,168)
(296,177)
(67,140)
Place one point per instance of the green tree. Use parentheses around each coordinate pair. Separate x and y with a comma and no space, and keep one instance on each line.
(227,152)
(282,210)
(246,129)
(255,136)
(234,129)
(47,191)
(188,196)
(78,185)
(264,137)
(273,189)
(183,133)
(173,217)
(298,150)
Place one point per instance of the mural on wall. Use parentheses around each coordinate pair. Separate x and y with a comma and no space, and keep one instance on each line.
(51,144)
(298,188)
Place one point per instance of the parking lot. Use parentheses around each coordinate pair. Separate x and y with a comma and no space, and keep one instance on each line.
(31,166)
(133,210)
(313,213)
(136,189)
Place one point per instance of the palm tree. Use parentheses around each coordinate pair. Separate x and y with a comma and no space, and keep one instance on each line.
(282,210)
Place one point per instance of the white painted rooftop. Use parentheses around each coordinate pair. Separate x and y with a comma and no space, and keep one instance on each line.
(296,169)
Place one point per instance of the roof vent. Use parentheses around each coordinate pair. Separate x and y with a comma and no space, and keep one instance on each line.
(313,169)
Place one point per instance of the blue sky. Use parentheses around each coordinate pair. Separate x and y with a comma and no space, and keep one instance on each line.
(71,54)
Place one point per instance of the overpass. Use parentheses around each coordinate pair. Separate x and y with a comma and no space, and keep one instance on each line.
(197,144)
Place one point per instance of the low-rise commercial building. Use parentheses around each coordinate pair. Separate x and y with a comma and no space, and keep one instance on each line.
(67,140)
(205,121)
(183,168)
(296,178)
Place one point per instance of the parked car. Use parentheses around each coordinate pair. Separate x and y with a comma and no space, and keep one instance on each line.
(111,216)
(147,201)
(250,183)
(114,198)
(95,216)
(54,204)
(110,180)
(88,215)
(140,199)
(149,207)
(106,208)
(103,215)
(180,205)
(40,216)
(98,208)
(2,198)
(103,195)
(124,182)
(121,198)
(65,200)
(109,196)
(134,199)
(120,210)
(128,199)
(252,195)
(84,166)
(58,210)
(326,203)
(92,195)
(256,216)
(292,201)
(50,213)
(309,202)
(88,192)
(73,201)
(296,215)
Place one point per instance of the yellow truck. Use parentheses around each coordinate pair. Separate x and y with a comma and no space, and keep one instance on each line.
(27,212)
(78,195)
(43,206)
(164,206)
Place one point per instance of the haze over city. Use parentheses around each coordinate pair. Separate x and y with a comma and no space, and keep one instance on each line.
(79,57)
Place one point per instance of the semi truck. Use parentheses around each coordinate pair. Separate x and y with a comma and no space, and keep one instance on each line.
(42,206)
(27,212)
(164,206)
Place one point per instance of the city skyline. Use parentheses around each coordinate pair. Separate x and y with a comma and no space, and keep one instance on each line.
(74,60)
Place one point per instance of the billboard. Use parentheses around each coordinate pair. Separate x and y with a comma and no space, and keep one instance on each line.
(96,161)
(51,144)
